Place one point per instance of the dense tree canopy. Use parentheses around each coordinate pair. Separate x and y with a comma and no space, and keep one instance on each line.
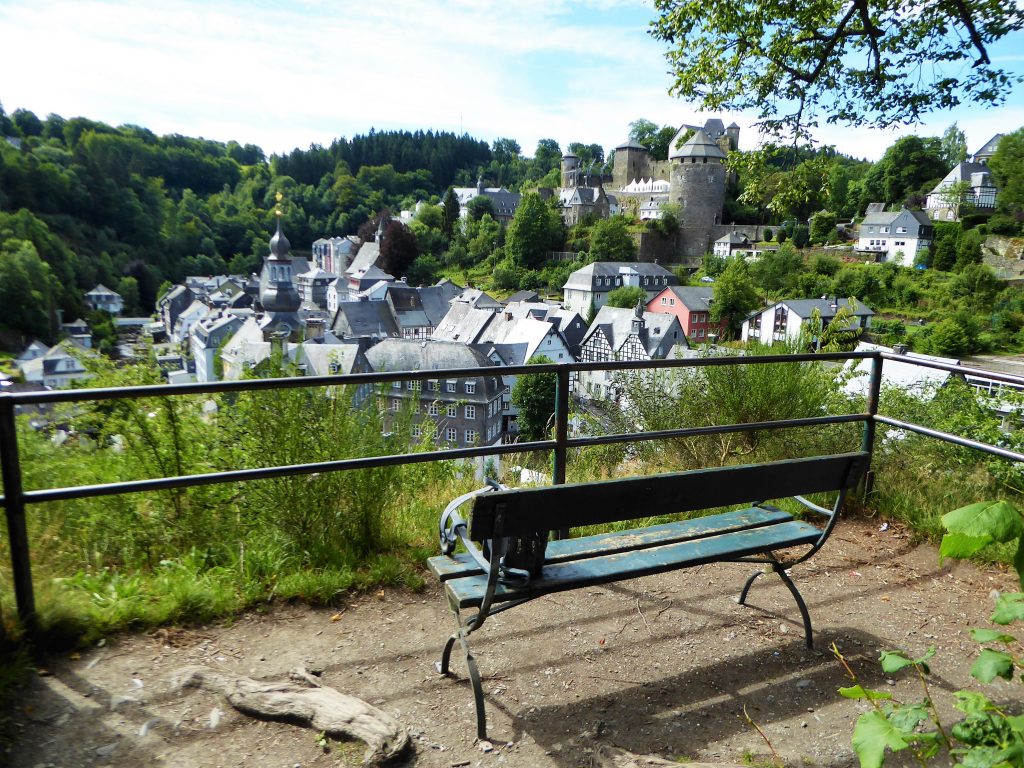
(859,62)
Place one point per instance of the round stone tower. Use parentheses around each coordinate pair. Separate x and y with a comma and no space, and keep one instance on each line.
(697,186)
(570,171)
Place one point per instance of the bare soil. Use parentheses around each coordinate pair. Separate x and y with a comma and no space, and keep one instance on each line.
(662,666)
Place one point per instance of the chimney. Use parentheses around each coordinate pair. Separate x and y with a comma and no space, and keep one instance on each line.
(899,349)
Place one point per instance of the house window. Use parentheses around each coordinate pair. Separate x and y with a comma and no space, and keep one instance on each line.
(470,436)
(432,385)
(470,387)
(416,407)
(885,230)
(432,409)
(504,405)
(416,431)
(451,434)
(396,385)
(453,411)
(901,230)
(396,404)
(450,386)
(470,411)
(664,300)
(671,302)
(408,385)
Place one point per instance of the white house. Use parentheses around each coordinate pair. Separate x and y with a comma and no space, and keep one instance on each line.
(968,186)
(896,236)
(785,320)
(103,299)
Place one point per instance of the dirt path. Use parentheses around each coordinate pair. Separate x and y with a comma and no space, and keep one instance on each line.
(662,665)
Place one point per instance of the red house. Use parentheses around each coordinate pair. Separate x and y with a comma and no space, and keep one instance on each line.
(691,304)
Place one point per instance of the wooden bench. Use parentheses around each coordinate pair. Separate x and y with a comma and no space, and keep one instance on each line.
(515,564)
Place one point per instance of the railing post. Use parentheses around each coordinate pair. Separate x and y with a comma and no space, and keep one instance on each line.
(561,432)
(14,507)
(868,435)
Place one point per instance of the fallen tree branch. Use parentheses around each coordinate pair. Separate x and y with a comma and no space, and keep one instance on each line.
(305,701)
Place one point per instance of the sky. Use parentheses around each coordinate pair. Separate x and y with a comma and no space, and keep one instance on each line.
(297,72)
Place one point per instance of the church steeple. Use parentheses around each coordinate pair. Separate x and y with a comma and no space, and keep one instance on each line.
(277,291)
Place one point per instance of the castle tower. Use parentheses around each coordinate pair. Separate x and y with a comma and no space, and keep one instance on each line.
(733,132)
(570,171)
(632,161)
(697,185)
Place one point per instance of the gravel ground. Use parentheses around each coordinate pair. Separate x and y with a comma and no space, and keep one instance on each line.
(657,666)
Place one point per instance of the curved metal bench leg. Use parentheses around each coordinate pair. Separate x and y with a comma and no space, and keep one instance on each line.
(742,599)
(808,636)
(443,665)
(478,690)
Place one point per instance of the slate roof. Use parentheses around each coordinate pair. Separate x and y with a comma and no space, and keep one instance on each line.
(478,299)
(519,296)
(804,308)
(417,355)
(583,278)
(318,355)
(734,238)
(700,145)
(355,319)
(989,147)
(631,144)
(696,298)
(656,335)
(884,218)
(365,258)
(961,172)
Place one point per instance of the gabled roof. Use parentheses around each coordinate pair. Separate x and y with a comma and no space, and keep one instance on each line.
(478,299)
(365,258)
(102,290)
(990,146)
(734,238)
(804,308)
(961,172)
(656,334)
(884,218)
(355,319)
(693,297)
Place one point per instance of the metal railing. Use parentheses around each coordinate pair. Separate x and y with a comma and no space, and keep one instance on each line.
(16,499)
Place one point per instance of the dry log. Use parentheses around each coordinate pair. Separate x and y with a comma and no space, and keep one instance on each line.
(305,701)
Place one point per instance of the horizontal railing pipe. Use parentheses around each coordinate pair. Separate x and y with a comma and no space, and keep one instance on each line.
(754,426)
(947,437)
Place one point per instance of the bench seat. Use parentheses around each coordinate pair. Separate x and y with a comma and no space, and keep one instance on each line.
(604,558)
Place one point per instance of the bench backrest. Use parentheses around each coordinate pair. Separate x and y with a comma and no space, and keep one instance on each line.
(520,511)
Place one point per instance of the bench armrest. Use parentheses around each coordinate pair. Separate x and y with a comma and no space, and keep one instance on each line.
(453,529)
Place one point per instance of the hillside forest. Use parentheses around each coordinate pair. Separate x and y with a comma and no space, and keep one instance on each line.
(82,202)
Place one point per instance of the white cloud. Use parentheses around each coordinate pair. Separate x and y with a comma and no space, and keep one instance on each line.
(287,75)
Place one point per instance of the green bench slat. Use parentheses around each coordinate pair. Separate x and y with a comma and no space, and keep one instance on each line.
(468,592)
(445,567)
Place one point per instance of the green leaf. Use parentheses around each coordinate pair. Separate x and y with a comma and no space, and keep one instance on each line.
(872,734)
(972,702)
(907,717)
(1016,723)
(992,664)
(859,692)
(1018,561)
(961,546)
(894,661)
(991,636)
(1009,608)
(999,520)
(920,661)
